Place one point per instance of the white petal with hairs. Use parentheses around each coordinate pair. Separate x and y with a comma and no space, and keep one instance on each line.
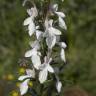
(62,55)
(62,23)
(54,31)
(29,53)
(55,7)
(27,21)
(62,45)
(36,61)
(60,14)
(24,87)
(39,34)
(51,41)
(58,86)
(21,78)
(44,68)
(43,76)
(50,69)
(31,28)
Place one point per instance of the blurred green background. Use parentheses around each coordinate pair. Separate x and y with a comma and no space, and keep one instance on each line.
(80,37)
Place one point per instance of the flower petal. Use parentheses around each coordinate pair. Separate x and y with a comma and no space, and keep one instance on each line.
(60,14)
(38,34)
(50,69)
(63,45)
(27,21)
(54,31)
(62,23)
(24,87)
(55,7)
(29,11)
(29,53)
(58,86)
(32,12)
(62,55)
(51,41)
(31,28)
(21,78)
(43,76)
(36,61)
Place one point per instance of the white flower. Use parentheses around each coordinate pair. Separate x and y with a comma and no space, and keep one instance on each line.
(55,9)
(58,86)
(51,34)
(24,85)
(31,25)
(50,29)
(30,20)
(29,74)
(44,70)
(35,57)
(60,15)
(62,53)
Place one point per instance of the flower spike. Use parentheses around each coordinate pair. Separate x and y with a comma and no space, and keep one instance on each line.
(45,36)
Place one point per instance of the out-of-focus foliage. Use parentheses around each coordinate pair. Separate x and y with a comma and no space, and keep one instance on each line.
(80,37)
